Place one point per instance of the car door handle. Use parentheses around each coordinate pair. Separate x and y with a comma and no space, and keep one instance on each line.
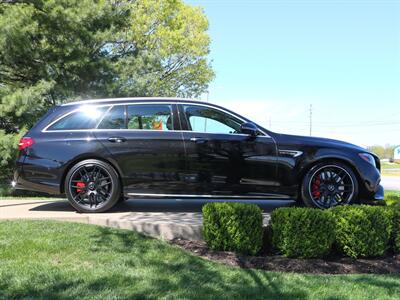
(117,139)
(198,140)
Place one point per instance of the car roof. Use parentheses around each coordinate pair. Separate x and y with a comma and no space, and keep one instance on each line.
(132,100)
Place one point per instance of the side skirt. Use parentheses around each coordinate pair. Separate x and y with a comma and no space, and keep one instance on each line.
(272,197)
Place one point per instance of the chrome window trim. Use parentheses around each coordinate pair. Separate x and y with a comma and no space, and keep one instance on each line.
(149,103)
(149,130)
(100,105)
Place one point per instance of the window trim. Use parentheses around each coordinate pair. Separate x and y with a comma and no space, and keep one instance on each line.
(46,128)
(178,105)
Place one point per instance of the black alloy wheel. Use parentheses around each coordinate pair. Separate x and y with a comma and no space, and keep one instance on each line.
(329,184)
(92,186)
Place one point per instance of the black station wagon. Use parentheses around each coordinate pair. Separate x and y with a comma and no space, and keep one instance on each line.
(100,151)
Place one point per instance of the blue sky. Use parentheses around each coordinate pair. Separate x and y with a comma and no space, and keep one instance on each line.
(274,58)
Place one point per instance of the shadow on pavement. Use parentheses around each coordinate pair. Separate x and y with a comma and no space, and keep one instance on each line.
(22,203)
(62,205)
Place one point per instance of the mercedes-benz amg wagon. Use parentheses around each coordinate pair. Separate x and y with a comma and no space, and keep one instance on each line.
(100,151)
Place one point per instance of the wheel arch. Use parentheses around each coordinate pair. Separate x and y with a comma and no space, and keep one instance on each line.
(332,158)
(85,157)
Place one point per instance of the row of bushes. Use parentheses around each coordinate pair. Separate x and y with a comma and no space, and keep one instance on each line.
(354,231)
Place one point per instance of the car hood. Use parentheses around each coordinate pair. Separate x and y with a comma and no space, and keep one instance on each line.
(316,141)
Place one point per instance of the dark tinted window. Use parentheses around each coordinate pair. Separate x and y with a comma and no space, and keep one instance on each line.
(114,119)
(150,117)
(205,119)
(86,117)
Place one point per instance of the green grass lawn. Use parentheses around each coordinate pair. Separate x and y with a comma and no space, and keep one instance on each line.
(52,260)
(392,197)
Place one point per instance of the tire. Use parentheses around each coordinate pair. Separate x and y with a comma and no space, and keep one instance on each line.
(92,186)
(329,184)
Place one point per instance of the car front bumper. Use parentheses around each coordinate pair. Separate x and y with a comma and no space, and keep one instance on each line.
(379,194)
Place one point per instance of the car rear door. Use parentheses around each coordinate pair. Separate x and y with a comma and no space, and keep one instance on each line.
(220,160)
(143,140)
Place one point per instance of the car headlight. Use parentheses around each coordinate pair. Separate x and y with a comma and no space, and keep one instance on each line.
(368,158)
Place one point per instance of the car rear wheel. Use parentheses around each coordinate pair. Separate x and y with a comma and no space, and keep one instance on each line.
(92,186)
(329,184)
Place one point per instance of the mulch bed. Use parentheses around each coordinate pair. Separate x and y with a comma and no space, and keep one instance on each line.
(331,265)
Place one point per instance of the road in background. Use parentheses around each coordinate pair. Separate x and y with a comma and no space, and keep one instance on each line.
(391,182)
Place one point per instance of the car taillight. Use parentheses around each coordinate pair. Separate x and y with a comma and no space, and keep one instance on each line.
(25,142)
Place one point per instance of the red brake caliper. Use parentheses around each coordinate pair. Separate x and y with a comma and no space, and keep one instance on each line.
(80,185)
(315,187)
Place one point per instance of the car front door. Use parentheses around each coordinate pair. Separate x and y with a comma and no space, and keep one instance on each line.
(144,142)
(221,160)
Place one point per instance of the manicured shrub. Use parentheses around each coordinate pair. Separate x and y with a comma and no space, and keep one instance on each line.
(233,227)
(362,231)
(302,232)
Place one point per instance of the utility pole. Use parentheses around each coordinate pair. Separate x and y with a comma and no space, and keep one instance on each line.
(310,119)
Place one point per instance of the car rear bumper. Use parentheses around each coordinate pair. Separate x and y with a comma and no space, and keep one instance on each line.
(20,182)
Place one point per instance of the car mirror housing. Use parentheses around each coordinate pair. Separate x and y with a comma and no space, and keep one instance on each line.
(249,128)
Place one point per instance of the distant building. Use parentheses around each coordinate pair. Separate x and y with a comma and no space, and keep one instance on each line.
(396,155)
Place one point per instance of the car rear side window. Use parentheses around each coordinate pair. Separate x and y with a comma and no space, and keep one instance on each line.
(114,118)
(85,117)
(150,117)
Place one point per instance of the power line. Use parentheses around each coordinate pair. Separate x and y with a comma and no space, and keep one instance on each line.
(336,125)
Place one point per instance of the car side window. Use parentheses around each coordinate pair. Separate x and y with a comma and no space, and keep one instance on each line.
(114,118)
(209,120)
(150,117)
(85,117)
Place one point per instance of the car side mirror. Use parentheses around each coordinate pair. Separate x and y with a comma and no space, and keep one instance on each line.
(249,128)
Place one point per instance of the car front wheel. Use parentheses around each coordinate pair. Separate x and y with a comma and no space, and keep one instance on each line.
(329,184)
(92,186)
